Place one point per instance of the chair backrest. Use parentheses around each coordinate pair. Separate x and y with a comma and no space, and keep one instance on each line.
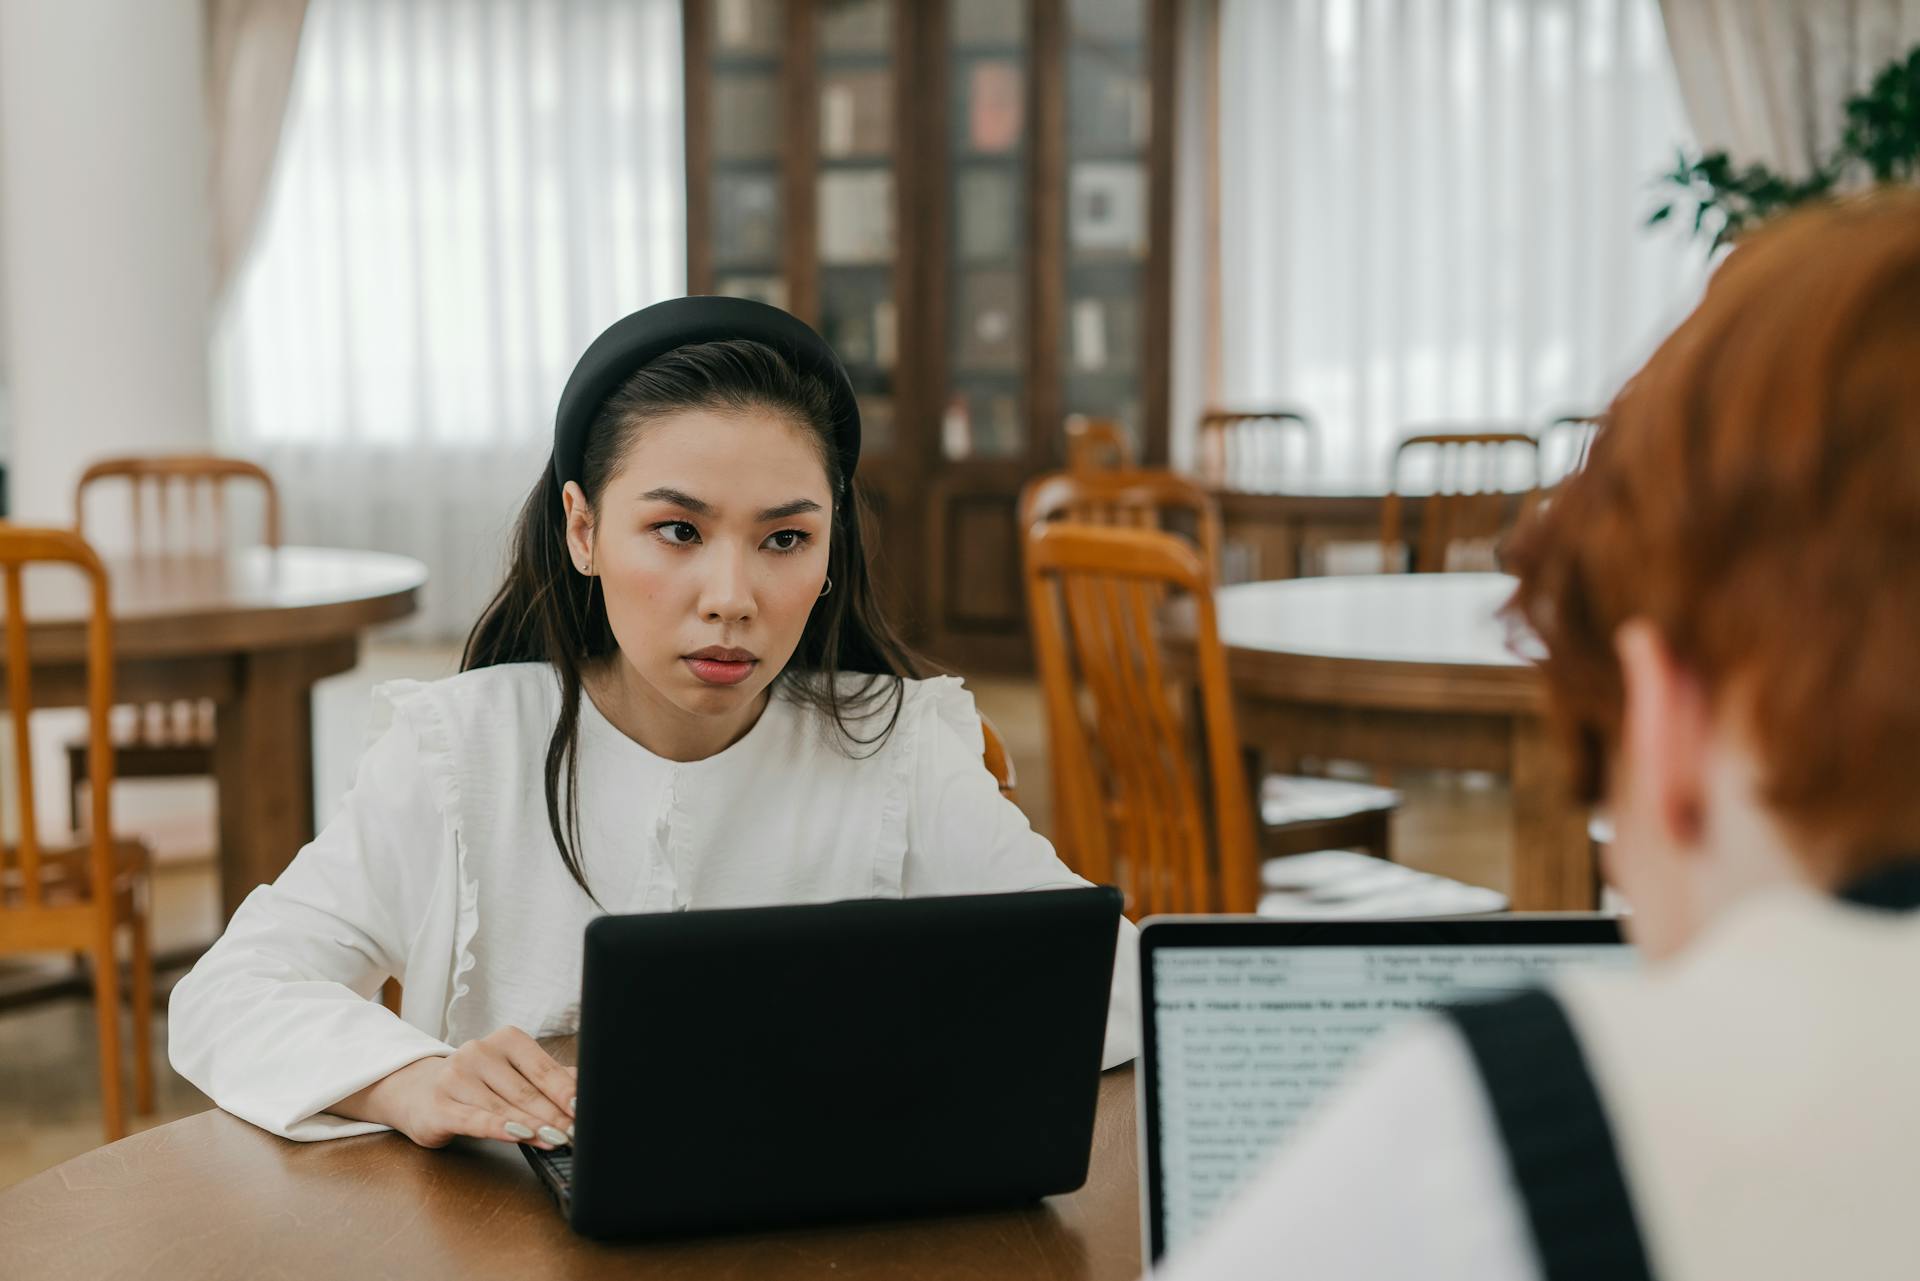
(1097,444)
(1137,498)
(1564,444)
(1251,448)
(1127,797)
(20,547)
(998,762)
(1470,491)
(179,500)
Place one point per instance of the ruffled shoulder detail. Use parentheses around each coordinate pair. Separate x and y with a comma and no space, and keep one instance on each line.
(414,703)
(925,706)
(429,709)
(949,699)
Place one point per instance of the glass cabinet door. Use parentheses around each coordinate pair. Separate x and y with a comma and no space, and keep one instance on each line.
(858,242)
(1108,122)
(984,413)
(744,39)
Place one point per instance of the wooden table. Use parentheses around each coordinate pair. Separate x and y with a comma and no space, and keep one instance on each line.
(252,631)
(1414,671)
(1278,528)
(213,1197)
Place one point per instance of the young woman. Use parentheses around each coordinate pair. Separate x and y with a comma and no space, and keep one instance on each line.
(1729,596)
(683,696)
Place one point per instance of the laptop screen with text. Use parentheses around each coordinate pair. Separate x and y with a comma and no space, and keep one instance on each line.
(1248,1032)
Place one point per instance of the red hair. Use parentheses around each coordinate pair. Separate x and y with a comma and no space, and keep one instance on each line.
(1755,494)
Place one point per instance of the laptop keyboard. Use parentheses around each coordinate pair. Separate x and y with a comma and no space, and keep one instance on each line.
(560,1162)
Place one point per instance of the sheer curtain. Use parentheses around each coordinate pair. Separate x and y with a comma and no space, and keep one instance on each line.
(467,191)
(1767,80)
(1432,210)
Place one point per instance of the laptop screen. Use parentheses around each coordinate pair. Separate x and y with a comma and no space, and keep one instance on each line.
(1250,1024)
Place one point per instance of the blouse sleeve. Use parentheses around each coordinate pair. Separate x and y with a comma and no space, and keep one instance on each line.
(963,837)
(277,1021)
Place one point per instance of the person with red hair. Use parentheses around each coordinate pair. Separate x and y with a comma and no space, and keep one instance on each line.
(1728,600)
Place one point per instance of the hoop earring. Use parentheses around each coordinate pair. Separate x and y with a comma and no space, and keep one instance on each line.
(828,587)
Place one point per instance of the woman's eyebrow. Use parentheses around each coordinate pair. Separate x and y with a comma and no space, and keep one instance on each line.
(677,498)
(794,508)
(682,499)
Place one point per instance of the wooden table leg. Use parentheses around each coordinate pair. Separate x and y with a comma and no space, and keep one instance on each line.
(1552,858)
(263,763)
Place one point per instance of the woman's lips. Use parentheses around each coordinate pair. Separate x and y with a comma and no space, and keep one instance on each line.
(716,671)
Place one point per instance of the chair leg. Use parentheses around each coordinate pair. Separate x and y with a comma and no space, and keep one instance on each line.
(141,985)
(1379,841)
(106,1008)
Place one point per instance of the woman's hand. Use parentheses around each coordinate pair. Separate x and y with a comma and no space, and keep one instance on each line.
(502,1086)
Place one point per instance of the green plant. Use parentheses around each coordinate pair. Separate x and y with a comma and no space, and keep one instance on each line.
(1882,137)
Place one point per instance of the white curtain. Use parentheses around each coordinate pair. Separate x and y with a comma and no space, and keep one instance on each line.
(252,47)
(467,192)
(1432,210)
(1766,80)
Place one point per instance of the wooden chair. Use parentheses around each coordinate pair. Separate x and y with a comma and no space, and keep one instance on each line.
(75,899)
(178,504)
(1468,500)
(1565,443)
(1138,498)
(1249,448)
(1127,797)
(1097,444)
(1297,813)
(1127,800)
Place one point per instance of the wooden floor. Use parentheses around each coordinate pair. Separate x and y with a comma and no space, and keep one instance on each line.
(49,1087)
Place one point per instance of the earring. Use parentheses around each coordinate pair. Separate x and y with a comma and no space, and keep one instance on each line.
(828,587)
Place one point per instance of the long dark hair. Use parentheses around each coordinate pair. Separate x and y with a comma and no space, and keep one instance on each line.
(547,612)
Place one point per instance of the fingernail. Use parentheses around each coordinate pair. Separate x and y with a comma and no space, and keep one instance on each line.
(518,1131)
(569,1133)
(553,1136)
(573,1103)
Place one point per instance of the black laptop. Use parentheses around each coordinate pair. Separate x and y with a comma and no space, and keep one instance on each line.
(759,1067)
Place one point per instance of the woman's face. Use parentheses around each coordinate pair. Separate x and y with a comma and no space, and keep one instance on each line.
(710,545)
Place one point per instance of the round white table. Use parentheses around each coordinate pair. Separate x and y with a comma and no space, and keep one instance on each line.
(1410,671)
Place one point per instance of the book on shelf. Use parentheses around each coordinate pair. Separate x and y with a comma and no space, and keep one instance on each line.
(996,105)
(989,328)
(744,117)
(746,217)
(1104,334)
(747,26)
(998,24)
(856,117)
(1109,108)
(1001,435)
(1107,207)
(856,216)
(989,214)
(956,428)
(771,290)
(876,423)
(886,334)
(856,26)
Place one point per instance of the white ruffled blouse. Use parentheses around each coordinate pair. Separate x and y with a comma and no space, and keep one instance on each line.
(440,869)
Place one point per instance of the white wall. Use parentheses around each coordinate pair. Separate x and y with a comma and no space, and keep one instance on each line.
(106,236)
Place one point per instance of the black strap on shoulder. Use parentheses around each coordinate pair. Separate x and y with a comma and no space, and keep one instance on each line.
(1559,1144)
(1893,888)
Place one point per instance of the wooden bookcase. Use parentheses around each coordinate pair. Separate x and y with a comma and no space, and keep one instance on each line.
(972,200)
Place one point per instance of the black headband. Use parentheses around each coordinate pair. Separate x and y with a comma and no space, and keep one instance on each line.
(631,343)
